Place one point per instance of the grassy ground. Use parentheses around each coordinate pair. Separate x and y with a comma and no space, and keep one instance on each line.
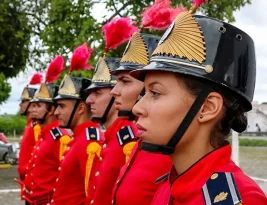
(253,160)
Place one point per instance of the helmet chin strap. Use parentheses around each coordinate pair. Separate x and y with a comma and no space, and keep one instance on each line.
(170,147)
(71,115)
(128,113)
(104,117)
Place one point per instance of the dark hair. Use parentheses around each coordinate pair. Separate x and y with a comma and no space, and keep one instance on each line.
(50,105)
(234,115)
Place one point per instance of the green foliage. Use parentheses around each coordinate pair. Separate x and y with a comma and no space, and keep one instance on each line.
(253,142)
(62,25)
(5,88)
(9,123)
(14,38)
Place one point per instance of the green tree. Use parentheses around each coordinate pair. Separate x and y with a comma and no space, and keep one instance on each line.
(9,123)
(14,38)
(61,25)
(14,43)
(5,88)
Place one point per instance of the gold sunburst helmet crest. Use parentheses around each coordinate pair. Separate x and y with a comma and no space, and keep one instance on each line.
(183,39)
(27,93)
(46,93)
(72,88)
(137,52)
(102,74)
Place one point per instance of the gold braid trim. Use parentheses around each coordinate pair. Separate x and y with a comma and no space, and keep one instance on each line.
(64,141)
(127,150)
(36,132)
(92,149)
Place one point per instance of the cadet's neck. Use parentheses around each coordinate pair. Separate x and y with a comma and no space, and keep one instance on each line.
(49,119)
(112,116)
(191,149)
(85,117)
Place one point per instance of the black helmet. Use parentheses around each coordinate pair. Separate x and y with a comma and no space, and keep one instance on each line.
(136,55)
(208,49)
(137,52)
(102,77)
(73,88)
(27,93)
(46,93)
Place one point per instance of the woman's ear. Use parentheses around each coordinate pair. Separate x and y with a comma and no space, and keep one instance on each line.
(52,110)
(81,108)
(211,108)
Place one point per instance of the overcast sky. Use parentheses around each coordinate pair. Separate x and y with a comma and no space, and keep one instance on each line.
(251,19)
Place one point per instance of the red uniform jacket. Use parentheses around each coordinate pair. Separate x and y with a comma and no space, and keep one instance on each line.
(26,147)
(209,182)
(43,169)
(78,170)
(119,142)
(137,178)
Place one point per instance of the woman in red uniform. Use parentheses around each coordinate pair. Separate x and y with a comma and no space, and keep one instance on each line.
(136,181)
(199,85)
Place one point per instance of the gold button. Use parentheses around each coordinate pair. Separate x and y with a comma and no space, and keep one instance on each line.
(96,174)
(94,187)
(62,157)
(68,148)
(52,200)
(32,183)
(104,146)
(31,192)
(92,201)
(26,175)
(56,179)
(214,176)
(208,68)
(100,158)
(54,189)
(59,168)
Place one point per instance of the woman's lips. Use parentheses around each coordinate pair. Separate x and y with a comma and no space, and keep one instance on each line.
(141,130)
(117,104)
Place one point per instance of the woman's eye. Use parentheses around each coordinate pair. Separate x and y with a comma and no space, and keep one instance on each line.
(125,81)
(154,94)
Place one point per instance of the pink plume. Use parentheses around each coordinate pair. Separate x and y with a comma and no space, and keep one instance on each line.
(198,3)
(160,15)
(80,58)
(54,69)
(36,79)
(117,31)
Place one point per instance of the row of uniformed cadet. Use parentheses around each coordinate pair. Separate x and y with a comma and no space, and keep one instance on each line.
(149,128)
